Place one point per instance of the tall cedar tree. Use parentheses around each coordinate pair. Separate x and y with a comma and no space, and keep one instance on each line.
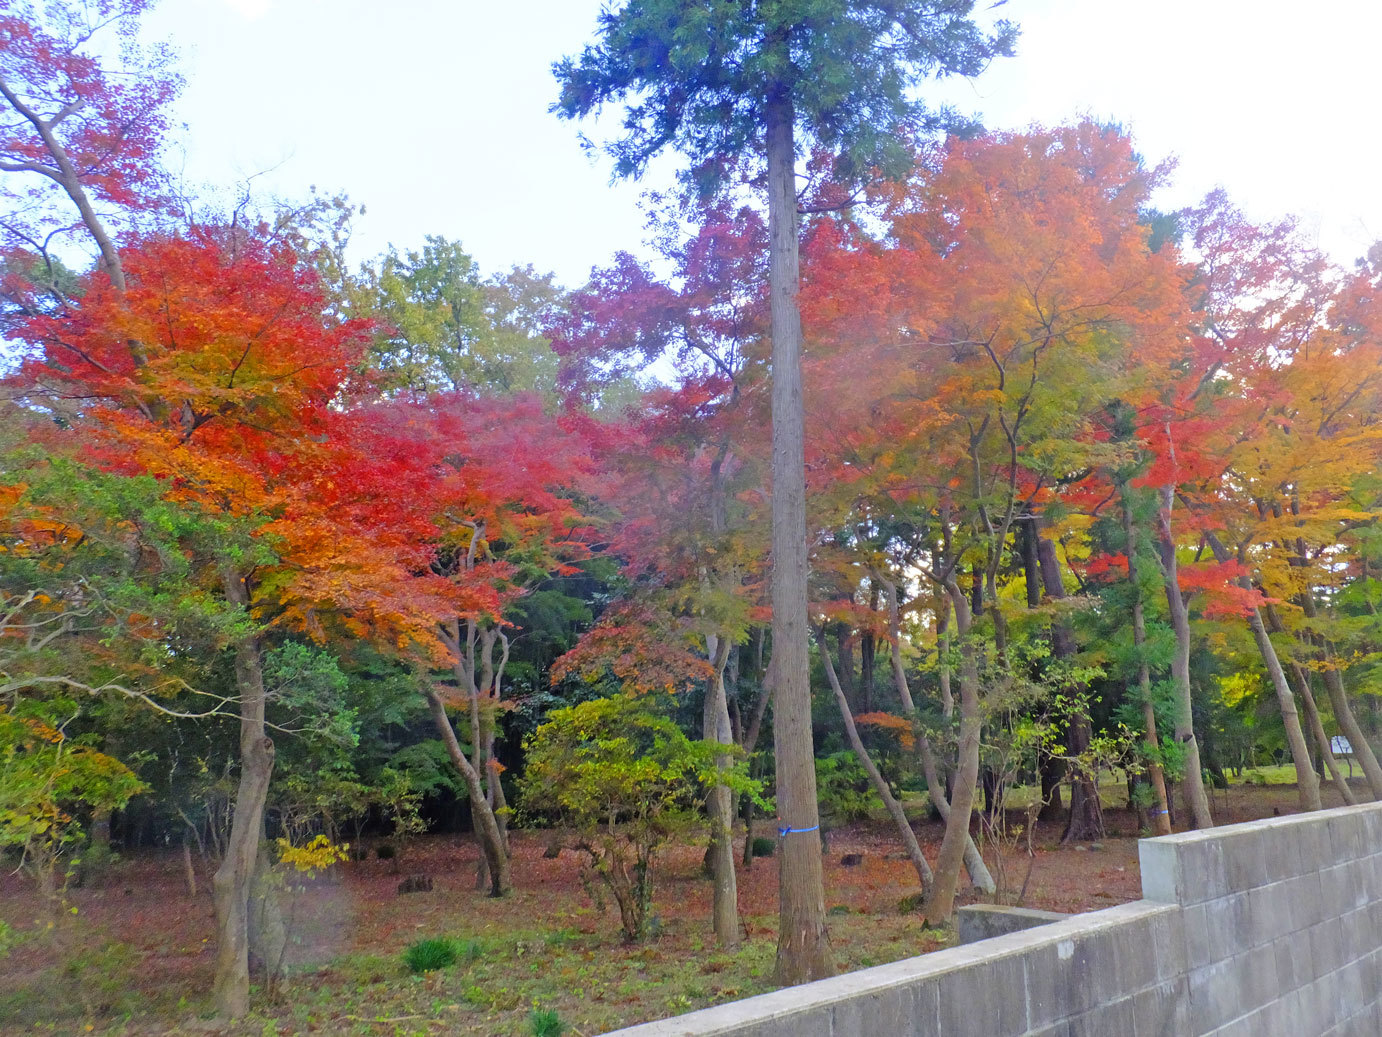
(723,79)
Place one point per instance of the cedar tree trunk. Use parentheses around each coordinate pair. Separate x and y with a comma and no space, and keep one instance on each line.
(803,949)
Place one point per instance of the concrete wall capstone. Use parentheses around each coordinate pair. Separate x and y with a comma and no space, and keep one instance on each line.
(1266,929)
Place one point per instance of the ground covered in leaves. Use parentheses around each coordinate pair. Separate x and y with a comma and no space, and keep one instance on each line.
(144,961)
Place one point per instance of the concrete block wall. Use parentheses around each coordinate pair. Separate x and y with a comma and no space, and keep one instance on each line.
(1282,922)
(1262,929)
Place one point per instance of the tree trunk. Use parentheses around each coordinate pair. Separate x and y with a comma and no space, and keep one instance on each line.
(189,873)
(1312,719)
(268,935)
(844,637)
(1352,730)
(1086,822)
(486,827)
(941,901)
(1196,801)
(719,802)
(1307,782)
(904,827)
(231,885)
(974,860)
(1161,811)
(1338,699)
(803,949)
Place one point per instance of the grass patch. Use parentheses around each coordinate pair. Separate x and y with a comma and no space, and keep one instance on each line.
(432,954)
(546,1022)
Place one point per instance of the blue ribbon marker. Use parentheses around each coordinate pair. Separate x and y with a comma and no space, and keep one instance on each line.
(784,832)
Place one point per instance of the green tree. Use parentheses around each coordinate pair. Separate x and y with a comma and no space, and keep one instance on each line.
(445,327)
(723,81)
(623,779)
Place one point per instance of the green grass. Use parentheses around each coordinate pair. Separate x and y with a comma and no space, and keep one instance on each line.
(431,954)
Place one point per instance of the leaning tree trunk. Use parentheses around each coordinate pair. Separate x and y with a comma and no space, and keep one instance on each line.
(1312,718)
(231,885)
(1086,823)
(941,901)
(1348,724)
(904,827)
(803,947)
(486,827)
(1301,681)
(1338,699)
(1196,800)
(935,787)
(1307,781)
(1162,813)
(720,802)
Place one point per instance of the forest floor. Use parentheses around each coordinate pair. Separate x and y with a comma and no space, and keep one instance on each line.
(145,953)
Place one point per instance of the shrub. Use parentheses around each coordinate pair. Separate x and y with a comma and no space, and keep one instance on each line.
(430,954)
(621,779)
(385,852)
(763,846)
(843,788)
(545,1022)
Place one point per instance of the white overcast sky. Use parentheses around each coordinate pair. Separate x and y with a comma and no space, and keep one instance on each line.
(433,113)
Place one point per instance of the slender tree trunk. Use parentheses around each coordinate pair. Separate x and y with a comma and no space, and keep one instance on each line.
(1196,801)
(486,827)
(1301,681)
(1086,822)
(941,901)
(1161,812)
(1307,782)
(844,637)
(231,885)
(803,949)
(720,803)
(189,873)
(904,827)
(1338,700)
(974,861)
(1352,730)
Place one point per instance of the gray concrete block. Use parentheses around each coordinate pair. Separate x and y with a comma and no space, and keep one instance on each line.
(1070,977)
(1160,867)
(906,1010)
(1168,942)
(1198,947)
(1225,990)
(970,1002)
(1229,921)
(1163,1011)
(1345,835)
(1304,901)
(1283,853)
(977,922)
(1336,891)
(1214,998)
(1294,963)
(1203,870)
(1269,912)
(1106,1020)
(1245,858)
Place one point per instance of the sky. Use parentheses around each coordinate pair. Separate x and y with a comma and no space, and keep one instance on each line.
(434,115)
